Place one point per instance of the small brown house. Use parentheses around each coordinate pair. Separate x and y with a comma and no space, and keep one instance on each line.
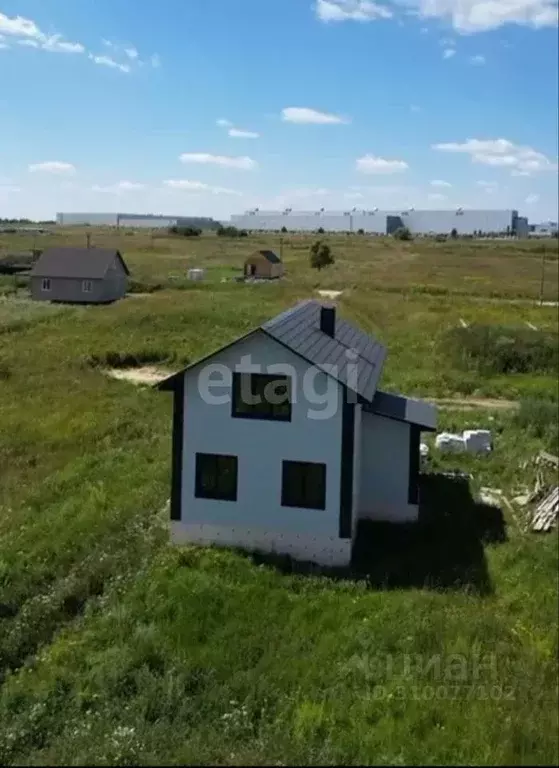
(264,265)
(79,275)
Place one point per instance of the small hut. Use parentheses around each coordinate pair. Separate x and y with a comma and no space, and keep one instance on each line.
(264,265)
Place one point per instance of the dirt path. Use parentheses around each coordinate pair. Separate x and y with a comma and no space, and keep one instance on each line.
(474,403)
(146,375)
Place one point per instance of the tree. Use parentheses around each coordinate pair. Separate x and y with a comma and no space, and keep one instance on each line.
(360,231)
(320,231)
(321,255)
(284,230)
(402,233)
(454,233)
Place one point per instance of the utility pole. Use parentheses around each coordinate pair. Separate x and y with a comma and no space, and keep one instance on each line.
(281,248)
(542,278)
(88,240)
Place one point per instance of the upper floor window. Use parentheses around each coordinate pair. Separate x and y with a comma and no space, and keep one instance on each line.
(87,286)
(45,285)
(261,396)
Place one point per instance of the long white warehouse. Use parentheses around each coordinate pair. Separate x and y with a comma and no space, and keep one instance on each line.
(464,221)
(133,220)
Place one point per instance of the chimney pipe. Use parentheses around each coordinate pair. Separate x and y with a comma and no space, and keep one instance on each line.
(328,320)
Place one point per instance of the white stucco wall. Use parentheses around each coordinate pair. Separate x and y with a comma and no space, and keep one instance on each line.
(257,520)
(385,470)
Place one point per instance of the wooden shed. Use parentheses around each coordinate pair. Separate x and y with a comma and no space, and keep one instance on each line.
(265,265)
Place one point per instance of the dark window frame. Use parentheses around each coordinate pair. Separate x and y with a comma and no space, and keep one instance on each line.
(263,411)
(216,493)
(46,284)
(295,491)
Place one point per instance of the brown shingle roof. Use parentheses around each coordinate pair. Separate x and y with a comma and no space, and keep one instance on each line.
(268,255)
(80,263)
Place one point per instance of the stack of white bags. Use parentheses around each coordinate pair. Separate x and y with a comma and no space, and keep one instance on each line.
(470,441)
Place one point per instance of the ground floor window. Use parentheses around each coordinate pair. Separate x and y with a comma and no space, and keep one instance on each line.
(216,477)
(45,285)
(303,485)
(87,286)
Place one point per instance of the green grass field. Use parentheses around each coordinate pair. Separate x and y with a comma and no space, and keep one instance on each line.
(116,648)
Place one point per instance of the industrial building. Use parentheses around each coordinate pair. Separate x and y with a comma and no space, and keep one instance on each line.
(135,220)
(419,222)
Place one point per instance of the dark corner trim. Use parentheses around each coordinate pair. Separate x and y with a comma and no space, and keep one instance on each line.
(413,481)
(178,440)
(346,479)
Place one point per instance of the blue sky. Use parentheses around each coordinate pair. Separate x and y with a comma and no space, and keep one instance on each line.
(217,106)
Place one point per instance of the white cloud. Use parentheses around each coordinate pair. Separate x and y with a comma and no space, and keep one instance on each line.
(532,199)
(514,172)
(223,161)
(478,60)
(235,133)
(354,195)
(119,187)
(378,165)
(53,166)
(480,15)
(440,183)
(198,186)
(107,61)
(351,10)
(222,123)
(436,196)
(28,33)
(3,46)
(448,53)
(501,153)
(305,115)
(132,53)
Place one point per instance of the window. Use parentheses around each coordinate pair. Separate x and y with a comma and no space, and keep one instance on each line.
(87,286)
(303,485)
(261,396)
(45,285)
(216,477)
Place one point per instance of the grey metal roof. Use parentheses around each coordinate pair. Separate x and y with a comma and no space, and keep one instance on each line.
(298,329)
(352,357)
(269,256)
(80,263)
(401,408)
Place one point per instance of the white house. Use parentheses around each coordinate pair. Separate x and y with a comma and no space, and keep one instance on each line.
(282,441)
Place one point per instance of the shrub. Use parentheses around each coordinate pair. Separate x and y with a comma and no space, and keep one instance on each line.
(186,231)
(498,349)
(402,233)
(360,231)
(321,255)
(454,233)
(284,230)
(320,231)
(539,418)
(231,232)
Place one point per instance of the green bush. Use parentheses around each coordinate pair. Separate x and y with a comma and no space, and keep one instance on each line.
(403,233)
(497,349)
(539,418)
(186,231)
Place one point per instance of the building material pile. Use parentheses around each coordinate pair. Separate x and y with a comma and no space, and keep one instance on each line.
(470,441)
(545,515)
